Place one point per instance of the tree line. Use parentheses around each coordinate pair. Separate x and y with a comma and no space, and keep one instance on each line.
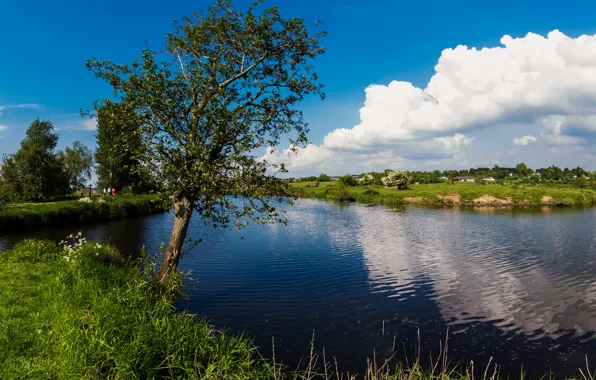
(40,172)
(520,172)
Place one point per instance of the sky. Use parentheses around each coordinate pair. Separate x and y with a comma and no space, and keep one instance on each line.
(409,85)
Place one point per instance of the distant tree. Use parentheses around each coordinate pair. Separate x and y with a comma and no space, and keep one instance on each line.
(348,180)
(78,163)
(227,83)
(34,172)
(479,179)
(324,178)
(399,179)
(366,180)
(522,169)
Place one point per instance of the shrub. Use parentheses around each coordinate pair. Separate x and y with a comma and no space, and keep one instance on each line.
(367,179)
(347,180)
(400,179)
(369,196)
(338,193)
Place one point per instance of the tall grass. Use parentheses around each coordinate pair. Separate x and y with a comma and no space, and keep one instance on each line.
(23,215)
(90,314)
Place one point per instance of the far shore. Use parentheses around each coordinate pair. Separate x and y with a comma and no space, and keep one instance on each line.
(457,194)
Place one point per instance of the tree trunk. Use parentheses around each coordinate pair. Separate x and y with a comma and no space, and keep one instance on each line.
(183,207)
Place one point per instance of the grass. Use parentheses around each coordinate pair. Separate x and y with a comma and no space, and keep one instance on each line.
(452,194)
(97,316)
(83,311)
(23,215)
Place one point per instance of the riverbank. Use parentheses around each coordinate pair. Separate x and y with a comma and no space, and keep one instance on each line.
(27,215)
(86,312)
(464,194)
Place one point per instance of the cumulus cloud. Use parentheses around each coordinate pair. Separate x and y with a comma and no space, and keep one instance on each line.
(523,141)
(3,127)
(549,81)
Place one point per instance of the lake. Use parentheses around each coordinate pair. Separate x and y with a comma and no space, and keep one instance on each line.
(517,285)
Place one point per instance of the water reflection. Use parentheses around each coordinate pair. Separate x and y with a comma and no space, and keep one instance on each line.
(527,272)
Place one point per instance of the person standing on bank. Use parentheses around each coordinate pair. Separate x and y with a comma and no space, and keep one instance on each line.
(113,192)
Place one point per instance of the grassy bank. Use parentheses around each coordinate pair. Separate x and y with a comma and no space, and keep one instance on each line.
(23,215)
(452,194)
(89,314)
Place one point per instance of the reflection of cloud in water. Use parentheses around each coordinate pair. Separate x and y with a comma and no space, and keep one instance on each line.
(522,271)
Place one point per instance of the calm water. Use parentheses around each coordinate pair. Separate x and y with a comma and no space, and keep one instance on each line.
(517,285)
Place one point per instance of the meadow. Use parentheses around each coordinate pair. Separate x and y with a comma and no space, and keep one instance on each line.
(469,194)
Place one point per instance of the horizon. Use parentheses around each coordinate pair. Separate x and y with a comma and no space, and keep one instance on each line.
(447,87)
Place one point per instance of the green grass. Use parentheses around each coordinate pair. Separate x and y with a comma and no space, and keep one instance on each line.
(23,215)
(98,317)
(467,194)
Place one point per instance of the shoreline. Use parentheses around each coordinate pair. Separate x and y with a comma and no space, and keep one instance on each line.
(33,215)
(444,195)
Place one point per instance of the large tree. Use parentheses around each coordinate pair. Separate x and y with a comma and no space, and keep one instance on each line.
(119,147)
(35,171)
(226,84)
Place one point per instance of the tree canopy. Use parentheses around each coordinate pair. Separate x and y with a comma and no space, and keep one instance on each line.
(35,171)
(120,154)
(226,83)
(78,162)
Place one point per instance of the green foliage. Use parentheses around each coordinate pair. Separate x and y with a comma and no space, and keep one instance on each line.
(399,179)
(479,179)
(339,193)
(367,180)
(324,178)
(120,154)
(347,180)
(369,196)
(31,251)
(562,194)
(35,171)
(98,316)
(227,84)
(18,216)
(78,162)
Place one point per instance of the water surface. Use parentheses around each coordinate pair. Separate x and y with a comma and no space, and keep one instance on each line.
(517,285)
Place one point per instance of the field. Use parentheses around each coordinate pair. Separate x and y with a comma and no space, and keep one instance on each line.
(23,215)
(452,194)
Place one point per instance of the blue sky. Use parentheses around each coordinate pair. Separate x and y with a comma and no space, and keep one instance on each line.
(45,45)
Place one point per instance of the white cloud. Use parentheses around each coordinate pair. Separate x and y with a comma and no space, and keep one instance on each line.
(3,127)
(25,105)
(549,81)
(89,124)
(84,125)
(523,141)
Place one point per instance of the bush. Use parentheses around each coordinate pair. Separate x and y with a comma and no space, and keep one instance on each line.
(367,180)
(400,179)
(347,180)
(338,193)
(369,196)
